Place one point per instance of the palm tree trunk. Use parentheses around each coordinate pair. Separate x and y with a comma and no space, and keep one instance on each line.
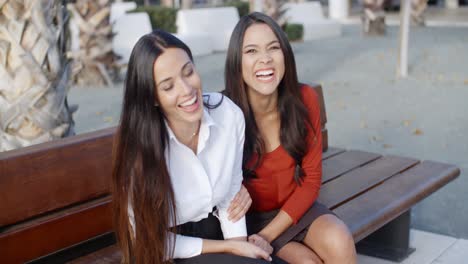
(186,4)
(273,8)
(34,73)
(94,60)
(167,3)
(373,17)
(417,11)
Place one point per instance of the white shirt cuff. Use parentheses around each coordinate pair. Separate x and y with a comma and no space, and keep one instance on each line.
(229,228)
(187,247)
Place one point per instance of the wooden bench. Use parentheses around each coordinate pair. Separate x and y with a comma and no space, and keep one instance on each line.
(56,206)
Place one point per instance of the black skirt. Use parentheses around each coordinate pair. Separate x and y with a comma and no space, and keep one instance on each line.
(210,228)
(258,220)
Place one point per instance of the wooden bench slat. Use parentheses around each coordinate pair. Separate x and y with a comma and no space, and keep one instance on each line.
(361,179)
(52,232)
(366,213)
(74,175)
(332,151)
(344,162)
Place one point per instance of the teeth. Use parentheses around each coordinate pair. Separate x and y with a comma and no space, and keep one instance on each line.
(264,73)
(190,102)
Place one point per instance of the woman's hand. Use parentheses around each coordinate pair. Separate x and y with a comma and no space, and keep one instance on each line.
(261,243)
(239,205)
(246,249)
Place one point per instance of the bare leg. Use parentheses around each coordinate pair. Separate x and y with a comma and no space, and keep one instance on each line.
(331,240)
(294,252)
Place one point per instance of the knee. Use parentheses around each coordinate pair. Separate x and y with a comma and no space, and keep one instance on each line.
(337,239)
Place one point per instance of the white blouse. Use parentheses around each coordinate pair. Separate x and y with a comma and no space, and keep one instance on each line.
(210,178)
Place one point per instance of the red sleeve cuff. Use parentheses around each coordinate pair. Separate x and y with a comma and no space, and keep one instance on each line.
(294,213)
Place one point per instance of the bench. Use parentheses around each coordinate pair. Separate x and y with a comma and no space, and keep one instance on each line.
(126,33)
(56,205)
(310,15)
(120,9)
(203,29)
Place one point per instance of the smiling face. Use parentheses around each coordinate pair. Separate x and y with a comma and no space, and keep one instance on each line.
(178,88)
(262,60)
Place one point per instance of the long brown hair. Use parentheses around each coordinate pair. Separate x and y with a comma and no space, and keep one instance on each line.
(293,113)
(140,177)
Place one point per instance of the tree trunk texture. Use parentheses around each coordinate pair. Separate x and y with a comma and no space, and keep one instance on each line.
(167,3)
(186,4)
(417,11)
(274,9)
(94,62)
(373,17)
(34,73)
(252,7)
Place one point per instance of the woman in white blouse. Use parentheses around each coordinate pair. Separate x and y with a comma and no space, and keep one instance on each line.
(180,151)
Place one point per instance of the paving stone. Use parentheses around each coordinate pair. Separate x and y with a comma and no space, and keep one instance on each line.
(428,247)
(456,254)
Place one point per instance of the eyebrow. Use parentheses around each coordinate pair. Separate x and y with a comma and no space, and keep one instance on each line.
(168,78)
(254,45)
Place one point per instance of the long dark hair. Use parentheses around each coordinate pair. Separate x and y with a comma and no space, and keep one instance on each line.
(293,113)
(140,177)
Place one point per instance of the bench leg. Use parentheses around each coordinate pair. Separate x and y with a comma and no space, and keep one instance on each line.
(390,241)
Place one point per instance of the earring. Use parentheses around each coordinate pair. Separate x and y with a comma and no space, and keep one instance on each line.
(156,105)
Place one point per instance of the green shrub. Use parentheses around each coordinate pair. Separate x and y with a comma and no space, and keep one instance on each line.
(161,17)
(242,7)
(294,31)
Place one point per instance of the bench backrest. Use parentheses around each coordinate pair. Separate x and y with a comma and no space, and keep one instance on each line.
(54,195)
(323,115)
(57,194)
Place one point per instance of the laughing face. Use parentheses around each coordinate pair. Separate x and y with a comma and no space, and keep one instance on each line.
(178,88)
(262,60)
